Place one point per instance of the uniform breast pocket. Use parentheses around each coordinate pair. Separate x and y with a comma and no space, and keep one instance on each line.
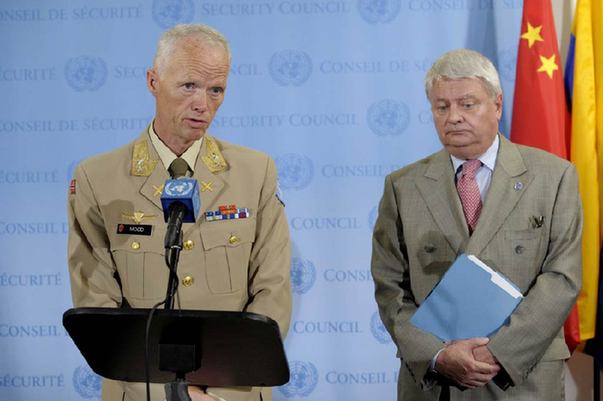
(227,245)
(142,269)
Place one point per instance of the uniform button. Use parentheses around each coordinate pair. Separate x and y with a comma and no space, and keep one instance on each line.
(135,245)
(189,244)
(519,249)
(233,239)
(188,281)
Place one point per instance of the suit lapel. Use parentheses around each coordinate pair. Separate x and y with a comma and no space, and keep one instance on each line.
(509,182)
(441,198)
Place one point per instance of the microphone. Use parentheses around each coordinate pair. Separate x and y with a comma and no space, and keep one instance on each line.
(180,201)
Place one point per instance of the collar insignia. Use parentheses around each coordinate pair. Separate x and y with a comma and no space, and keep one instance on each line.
(206,186)
(142,165)
(213,158)
(158,189)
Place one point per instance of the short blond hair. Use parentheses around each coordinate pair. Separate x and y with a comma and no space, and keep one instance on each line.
(206,33)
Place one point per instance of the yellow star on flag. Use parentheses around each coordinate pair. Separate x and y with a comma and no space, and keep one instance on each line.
(548,65)
(532,35)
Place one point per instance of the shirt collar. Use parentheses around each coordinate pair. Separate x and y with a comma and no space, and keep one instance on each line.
(488,158)
(167,156)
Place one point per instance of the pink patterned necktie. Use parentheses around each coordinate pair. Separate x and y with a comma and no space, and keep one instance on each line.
(468,190)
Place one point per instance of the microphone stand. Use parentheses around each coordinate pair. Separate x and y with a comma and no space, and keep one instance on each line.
(172,256)
(174,357)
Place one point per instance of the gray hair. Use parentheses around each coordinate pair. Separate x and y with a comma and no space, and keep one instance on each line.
(464,63)
(203,32)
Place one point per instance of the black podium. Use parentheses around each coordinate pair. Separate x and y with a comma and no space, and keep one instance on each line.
(225,348)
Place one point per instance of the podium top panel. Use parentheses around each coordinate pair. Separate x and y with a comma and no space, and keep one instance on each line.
(235,348)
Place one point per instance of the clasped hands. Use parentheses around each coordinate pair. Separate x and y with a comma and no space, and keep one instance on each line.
(468,363)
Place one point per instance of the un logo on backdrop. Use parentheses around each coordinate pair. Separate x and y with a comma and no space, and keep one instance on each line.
(85,73)
(304,378)
(290,67)
(388,117)
(167,13)
(86,382)
(378,11)
(378,329)
(294,171)
(303,275)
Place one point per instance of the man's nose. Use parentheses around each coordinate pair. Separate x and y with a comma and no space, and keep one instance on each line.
(199,103)
(455,115)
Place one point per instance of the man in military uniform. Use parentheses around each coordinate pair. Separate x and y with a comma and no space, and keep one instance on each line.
(116,250)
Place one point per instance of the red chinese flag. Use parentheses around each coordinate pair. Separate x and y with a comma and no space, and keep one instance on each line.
(540,115)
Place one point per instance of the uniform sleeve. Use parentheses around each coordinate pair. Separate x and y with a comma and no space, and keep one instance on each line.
(538,319)
(269,272)
(270,261)
(91,267)
(393,292)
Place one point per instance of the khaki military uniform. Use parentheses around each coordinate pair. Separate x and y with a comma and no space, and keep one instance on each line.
(233,265)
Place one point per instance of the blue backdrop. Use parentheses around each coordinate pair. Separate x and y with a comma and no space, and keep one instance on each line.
(332,89)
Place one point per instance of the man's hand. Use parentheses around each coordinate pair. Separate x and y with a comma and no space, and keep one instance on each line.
(483,354)
(197,394)
(458,362)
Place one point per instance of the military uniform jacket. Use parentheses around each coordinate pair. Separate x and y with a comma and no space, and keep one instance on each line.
(529,230)
(233,265)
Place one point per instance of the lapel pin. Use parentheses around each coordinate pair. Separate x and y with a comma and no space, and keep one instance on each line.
(537,221)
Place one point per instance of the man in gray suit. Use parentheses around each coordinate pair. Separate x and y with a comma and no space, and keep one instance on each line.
(514,207)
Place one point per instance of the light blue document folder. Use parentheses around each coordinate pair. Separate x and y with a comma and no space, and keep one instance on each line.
(471,300)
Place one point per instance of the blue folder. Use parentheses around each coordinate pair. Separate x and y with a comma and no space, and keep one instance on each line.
(471,300)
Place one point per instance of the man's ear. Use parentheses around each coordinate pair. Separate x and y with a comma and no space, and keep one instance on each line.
(499,105)
(152,80)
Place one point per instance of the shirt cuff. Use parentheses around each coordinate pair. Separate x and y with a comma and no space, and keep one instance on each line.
(433,362)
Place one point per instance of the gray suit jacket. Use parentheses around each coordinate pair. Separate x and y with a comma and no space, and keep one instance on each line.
(421,230)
